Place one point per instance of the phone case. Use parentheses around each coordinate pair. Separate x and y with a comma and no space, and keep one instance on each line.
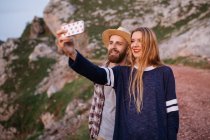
(74,28)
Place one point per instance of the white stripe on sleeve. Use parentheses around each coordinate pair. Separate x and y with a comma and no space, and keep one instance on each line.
(107,75)
(111,77)
(171,102)
(172,108)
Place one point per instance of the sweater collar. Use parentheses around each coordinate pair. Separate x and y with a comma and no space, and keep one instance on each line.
(147,68)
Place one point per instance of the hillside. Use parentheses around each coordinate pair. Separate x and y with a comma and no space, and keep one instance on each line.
(41,98)
(176,23)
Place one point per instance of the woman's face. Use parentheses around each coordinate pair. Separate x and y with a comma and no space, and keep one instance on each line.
(136,44)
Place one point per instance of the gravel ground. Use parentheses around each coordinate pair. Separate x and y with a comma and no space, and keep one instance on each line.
(193,93)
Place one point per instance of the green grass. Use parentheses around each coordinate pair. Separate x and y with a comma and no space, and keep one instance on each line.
(27,118)
(165,2)
(26,31)
(59,101)
(186,61)
(162,32)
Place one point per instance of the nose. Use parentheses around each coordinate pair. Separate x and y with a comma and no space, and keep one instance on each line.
(134,44)
(112,46)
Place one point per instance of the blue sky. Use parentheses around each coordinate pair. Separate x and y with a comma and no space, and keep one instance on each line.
(15,14)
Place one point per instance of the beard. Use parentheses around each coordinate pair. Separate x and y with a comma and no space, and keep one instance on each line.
(117,56)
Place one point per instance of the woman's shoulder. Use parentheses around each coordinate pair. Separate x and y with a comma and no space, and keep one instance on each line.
(165,69)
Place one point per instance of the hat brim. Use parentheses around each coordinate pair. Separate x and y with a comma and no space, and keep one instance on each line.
(108,33)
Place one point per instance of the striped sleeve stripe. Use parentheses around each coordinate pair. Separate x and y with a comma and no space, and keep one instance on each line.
(111,77)
(171,102)
(172,108)
(108,77)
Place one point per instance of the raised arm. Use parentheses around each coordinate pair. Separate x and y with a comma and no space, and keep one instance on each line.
(81,65)
(65,44)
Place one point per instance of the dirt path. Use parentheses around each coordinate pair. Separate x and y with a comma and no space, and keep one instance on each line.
(193,92)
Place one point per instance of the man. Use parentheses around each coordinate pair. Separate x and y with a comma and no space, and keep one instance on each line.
(102,112)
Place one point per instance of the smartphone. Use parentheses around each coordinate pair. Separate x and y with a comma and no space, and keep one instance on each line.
(74,28)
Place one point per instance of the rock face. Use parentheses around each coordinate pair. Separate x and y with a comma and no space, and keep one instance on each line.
(6,57)
(68,124)
(41,50)
(37,28)
(58,12)
(59,75)
(173,21)
(48,120)
(3,76)
(164,13)
(7,134)
(6,108)
(194,42)
(6,111)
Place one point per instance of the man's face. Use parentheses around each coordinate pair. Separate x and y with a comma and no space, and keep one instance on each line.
(117,48)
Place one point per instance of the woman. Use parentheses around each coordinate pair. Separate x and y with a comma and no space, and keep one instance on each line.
(146,104)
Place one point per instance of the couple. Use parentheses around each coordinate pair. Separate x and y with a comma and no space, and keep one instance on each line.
(144,88)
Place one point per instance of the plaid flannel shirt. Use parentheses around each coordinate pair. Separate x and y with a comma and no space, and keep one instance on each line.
(96,109)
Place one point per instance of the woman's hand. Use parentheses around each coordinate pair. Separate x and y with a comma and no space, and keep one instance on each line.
(65,44)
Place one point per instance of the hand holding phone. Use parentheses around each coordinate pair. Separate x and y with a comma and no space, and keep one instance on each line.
(73,28)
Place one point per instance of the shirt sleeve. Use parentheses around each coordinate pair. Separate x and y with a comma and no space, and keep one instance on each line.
(171,105)
(99,75)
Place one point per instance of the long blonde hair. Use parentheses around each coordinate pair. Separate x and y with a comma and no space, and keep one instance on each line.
(149,57)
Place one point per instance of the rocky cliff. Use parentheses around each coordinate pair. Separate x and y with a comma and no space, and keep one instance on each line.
(31,71)
(182,27)
(39,96)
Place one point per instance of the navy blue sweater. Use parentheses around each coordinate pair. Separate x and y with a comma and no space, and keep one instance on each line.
(159,118)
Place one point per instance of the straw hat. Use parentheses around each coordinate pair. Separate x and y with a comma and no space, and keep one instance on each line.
(124,33)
